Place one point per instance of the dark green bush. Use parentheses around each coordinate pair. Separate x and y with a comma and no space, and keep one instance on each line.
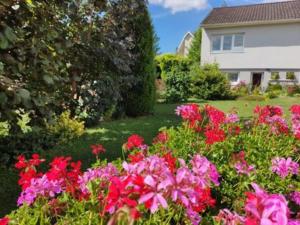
(178,86)
(209,83)
(14,145)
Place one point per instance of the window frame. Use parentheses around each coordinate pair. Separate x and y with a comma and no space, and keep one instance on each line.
(237,49)
(238,77)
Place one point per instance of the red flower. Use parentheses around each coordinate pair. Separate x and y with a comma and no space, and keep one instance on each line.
(4,221)
(22,162)
(214,135)
(295,109)
(27,176)
(97,149)
(137,157)
(171,161)
(118,195)
(162,138)
(204,200)
(216,117)
(36,161)
(134,141)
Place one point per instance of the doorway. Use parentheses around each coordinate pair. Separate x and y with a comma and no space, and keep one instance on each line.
(256,80)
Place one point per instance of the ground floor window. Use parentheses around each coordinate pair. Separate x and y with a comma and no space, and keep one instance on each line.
(233,77)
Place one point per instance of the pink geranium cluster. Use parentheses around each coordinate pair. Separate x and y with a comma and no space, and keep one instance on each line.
(295,110)
(272,116)
(284,167)
(241,165)
(261,208)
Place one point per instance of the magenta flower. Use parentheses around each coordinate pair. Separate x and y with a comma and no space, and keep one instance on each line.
(193,216)
(40,187)
(284,167)
(295,197)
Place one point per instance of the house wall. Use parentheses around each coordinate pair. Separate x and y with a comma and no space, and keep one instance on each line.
(266,48)
(271,47)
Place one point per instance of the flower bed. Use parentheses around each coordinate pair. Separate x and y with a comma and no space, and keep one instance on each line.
(213,169)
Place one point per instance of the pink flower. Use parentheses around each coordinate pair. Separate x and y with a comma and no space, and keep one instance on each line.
(232,118)
(244,168)
(229,218)
(295,197)
(284,167)
(40,187)
(264,208)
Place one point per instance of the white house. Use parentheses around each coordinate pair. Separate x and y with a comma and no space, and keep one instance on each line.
(185,45)
(253,42)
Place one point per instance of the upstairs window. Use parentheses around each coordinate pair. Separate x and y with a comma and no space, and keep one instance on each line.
(228,43)
(216,43)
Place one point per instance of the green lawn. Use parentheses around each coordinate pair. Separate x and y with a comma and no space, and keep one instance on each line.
(113,134)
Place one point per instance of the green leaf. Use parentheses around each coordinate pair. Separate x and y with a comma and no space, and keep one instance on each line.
(24,94)
(10,35)
(3,98)
(48,79)
(3,42)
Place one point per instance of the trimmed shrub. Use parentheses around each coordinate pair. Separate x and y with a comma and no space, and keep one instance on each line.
(66,128)
(177,86)
(169,63)
(209,83)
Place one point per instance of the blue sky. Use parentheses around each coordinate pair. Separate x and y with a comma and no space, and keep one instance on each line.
(173,18)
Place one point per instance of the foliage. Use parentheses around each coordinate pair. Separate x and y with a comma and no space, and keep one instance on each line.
(4,129)
(290,76)
(168,63)
(275,76)
(274,87)
(178,85)
(140,98)
(66,128)
(292,90)
(195,51)
(241,89)
(209,83)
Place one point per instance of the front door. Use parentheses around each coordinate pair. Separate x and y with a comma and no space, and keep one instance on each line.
(256,80)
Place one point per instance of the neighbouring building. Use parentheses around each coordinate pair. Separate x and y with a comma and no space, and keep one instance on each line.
(255,43)
(185,45)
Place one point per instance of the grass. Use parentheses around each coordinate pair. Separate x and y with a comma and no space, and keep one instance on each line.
(114,133)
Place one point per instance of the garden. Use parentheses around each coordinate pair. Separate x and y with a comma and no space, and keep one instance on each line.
(97,127)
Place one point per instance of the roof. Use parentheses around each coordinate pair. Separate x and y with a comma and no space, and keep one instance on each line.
(258,13)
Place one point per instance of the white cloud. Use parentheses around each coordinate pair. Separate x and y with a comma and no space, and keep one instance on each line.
(180,5)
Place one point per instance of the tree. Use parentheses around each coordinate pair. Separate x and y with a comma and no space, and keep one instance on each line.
(195,50)
(140,99)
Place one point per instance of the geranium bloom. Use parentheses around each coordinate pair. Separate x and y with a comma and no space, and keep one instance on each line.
(134,141)
(264,208)
(241,164)
(161,138)
(216,117)
(97,149)
(118,195)
(4,221)
(232,118)
(278,125)
(295,197)
(295,109)
(266,112)
(214,135)
(189,112)
(226,217)
(40,187)
(284,167)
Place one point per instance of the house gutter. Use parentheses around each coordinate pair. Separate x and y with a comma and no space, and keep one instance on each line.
(252,23)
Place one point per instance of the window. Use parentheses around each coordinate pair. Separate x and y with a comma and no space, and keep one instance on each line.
(216,43)
(228,43)
(233,77)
